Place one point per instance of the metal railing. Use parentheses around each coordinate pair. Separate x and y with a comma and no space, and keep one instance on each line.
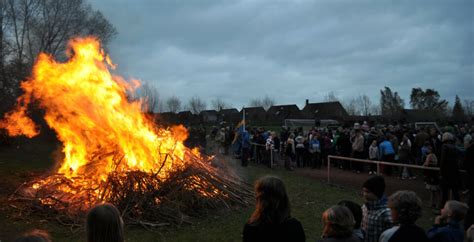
(378,163)
(272,151)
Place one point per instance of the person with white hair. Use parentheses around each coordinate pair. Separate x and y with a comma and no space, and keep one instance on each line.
(449,168)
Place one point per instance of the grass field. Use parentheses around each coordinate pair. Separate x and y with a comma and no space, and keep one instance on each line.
(308,197)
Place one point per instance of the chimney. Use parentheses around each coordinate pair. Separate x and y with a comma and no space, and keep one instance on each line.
(307,102)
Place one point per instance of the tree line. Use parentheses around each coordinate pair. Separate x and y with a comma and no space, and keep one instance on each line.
(29,27)
(390,103)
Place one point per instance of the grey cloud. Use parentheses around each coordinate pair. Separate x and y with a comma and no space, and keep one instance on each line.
(294,50)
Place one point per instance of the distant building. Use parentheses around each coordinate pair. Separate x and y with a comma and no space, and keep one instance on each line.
(325,110)
(209,116)
(230,116)
(255,115)
(278,113)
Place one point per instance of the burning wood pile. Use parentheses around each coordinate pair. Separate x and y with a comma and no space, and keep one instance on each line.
(112,152)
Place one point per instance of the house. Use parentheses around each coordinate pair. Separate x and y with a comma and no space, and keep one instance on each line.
(277,114)
(325,110)
(209,116)
(187,118)
(254,115)
(230,115)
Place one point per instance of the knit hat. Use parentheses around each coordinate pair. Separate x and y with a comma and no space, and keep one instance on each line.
(376,185)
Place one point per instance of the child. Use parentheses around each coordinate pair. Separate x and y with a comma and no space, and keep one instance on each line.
(448,227)
(431,176)
(104,223)
(373,155)
(376,216)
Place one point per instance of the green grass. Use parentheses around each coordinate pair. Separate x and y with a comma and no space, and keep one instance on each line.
(308,197)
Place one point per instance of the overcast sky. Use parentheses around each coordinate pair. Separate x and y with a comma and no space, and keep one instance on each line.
(294,50)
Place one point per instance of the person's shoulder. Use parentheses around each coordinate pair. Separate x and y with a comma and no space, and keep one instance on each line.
(292,221)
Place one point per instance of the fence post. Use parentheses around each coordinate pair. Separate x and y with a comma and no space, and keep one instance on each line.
(329,168)
(271,157)
(255,156)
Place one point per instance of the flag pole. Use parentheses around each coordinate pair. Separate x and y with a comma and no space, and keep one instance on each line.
(243,118)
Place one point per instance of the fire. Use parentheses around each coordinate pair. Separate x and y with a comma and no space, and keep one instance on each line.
(101,130)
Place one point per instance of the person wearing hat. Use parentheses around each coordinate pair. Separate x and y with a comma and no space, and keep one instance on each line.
(449,169)
(376,216)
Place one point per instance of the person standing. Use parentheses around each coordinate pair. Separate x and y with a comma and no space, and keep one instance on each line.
(315,151)
(404,155)
(449,169)
(245,147)
(376,216)
(405,207)
(357,149)
(271,219)
(290,151)
(373,155)
(387,152)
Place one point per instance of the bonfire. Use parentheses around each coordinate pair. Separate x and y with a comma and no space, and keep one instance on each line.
(112,151)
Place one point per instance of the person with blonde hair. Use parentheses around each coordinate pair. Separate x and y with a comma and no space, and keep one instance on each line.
(405,207)
(338,225)
(104,224)
(271,219)
(447,226)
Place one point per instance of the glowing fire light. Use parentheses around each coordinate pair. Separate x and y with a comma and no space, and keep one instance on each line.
(101,130)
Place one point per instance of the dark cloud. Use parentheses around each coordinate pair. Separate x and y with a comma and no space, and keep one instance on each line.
(294,50)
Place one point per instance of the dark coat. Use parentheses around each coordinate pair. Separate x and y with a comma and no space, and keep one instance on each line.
(290,230)
(353,238)
(449,165)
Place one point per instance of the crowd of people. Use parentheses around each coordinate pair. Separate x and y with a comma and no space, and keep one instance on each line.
(379,219)
(449,150)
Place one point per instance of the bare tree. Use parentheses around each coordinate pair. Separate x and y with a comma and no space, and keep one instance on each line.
(266,102)
(150,97)
(47,25)
(351,106)
(196,105)
(331,97)
(173,104)
(219,104)
(375,109)
(364,105)
(29,27)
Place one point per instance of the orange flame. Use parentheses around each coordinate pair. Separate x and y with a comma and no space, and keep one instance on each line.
(87,106)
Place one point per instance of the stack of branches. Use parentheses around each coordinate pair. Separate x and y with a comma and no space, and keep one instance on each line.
(142,197)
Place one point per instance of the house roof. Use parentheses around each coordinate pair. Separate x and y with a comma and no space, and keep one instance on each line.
(325,110)
(229,111)
(284,111)
(209,112)
(254,110)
